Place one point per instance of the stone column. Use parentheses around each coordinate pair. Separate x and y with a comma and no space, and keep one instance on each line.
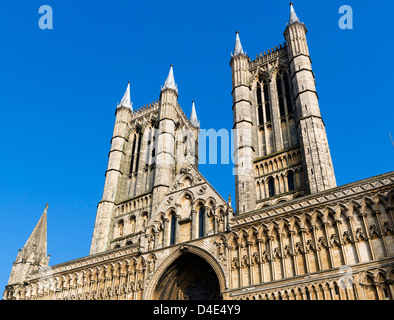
(282,255)
(259,241)
(293,253)
(166,239)
(339,229)
(377,214)
(303,231)
(363,216)
(206,220)
(328,244)
(177,227)
(194,224)
(240,273)
(249,244)
(271,254)
(355,242)
(317,249)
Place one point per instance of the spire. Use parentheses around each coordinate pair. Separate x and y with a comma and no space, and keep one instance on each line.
(126,101)
(170,82)
(293,15)
(36,245)
(238,47)
(33,256)
(193,117)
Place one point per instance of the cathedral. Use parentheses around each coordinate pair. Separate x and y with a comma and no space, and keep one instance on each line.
(162,232)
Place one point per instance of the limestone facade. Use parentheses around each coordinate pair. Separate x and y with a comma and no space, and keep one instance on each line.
(293,250)
(163,232)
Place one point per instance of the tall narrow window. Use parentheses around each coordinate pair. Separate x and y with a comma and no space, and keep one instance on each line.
(260,113)
(284,96)
(267,101)
(308,296)
(138,151)
(289,104)
(282,111)
(279,90)
(267,112)
(172,231)
(259,105)
(271,187)
(153,153)
(279,85)
(201,222)
(132,154)
(290,180)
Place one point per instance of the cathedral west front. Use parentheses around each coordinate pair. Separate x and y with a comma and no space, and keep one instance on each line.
(163,232)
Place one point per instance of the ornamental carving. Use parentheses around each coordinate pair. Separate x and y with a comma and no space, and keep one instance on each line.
(373,230)
(346,237)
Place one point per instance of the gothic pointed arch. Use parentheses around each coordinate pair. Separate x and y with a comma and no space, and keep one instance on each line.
(202,256)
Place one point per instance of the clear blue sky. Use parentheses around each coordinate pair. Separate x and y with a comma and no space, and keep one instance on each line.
(59,89)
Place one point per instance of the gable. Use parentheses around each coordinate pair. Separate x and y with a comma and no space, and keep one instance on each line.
(189,191)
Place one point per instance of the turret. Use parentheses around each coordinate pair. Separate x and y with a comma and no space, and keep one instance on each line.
(243,133)
(192,153)
(193,117)
(165,156)
(319,171)
(114,173)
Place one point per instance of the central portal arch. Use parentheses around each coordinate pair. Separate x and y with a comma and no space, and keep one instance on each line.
(188,278)
(189,273)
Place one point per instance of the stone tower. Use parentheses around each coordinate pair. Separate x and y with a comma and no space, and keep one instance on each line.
(281,147)
(149,147)
(315,153)
(244,135)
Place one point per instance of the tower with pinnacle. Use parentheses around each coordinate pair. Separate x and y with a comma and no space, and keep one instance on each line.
(149,147)
(281,144)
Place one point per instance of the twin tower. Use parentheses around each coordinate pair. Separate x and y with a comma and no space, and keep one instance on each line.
(281,147)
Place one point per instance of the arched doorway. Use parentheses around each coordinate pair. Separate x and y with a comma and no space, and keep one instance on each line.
(189,277)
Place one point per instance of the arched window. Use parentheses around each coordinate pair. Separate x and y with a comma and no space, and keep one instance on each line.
(132,224)
(201,214)
(308,296)
(120,228)
(263,101)
(172,229)
(271,187)
(290,180)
